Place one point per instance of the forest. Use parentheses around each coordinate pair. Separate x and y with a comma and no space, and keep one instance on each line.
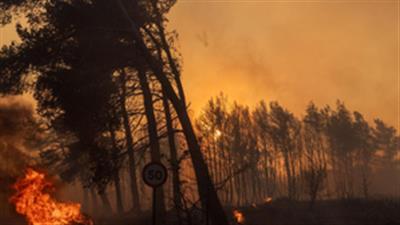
(108,95)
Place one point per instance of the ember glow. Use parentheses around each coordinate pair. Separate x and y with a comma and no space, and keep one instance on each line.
(238,216)
(32,200)
(268,200)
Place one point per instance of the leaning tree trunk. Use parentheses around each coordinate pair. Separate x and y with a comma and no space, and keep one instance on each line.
(129,143)
(153,139)
(206,189)
(174,159)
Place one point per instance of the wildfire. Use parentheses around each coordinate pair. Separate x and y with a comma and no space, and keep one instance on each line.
(238,216)
(268,200)
(39,208)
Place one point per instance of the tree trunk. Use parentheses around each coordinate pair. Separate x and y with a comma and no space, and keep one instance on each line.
(118,194)
(106,202)
(85,199)
(288,176)
(174,160)
(117,183)
(94,204)
(231,184)
(267,172)
(154,143)
(206,189)
(129,143)
(365,180)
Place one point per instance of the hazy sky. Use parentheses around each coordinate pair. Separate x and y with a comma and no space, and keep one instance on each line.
(292,51)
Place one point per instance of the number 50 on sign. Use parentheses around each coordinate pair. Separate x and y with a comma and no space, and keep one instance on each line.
(154,174)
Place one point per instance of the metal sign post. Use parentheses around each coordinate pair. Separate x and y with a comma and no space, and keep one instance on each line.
(154,175)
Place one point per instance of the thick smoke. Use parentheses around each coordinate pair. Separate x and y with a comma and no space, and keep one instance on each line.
(291,54)
(16,125)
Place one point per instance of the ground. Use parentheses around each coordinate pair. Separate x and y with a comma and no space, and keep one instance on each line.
(284,212)
(354,212)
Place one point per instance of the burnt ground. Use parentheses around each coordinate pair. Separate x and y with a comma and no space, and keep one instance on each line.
(283,212)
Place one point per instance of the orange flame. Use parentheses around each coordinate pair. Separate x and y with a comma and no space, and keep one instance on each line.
(39,208)
(268,200)
(238,216)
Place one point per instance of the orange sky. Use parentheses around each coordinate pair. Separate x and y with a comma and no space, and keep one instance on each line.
(291,51)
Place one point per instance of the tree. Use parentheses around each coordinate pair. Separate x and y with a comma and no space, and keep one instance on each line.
(262,129)
(385,137)
(366,148)
(284,132)
(153,139)
(176,182)
(129,141)
(315,152)
(342,140)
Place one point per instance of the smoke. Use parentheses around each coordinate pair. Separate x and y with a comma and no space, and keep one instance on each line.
(17,130)
(290,52)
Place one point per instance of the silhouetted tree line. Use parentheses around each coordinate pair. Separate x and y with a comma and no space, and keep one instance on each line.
(268,152)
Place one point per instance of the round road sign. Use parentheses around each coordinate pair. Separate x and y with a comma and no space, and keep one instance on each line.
(154,174)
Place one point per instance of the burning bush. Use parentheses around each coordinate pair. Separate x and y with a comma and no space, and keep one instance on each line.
(239,217)
(32,199)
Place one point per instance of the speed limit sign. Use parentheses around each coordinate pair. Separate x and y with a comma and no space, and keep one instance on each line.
(154,174)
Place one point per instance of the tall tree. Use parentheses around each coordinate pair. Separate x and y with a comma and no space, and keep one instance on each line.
(342,139)
(386,141)
(129,142)
(176,182)
(284,131)
(366,148)
(153,139)
(315,152)
(262,129)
